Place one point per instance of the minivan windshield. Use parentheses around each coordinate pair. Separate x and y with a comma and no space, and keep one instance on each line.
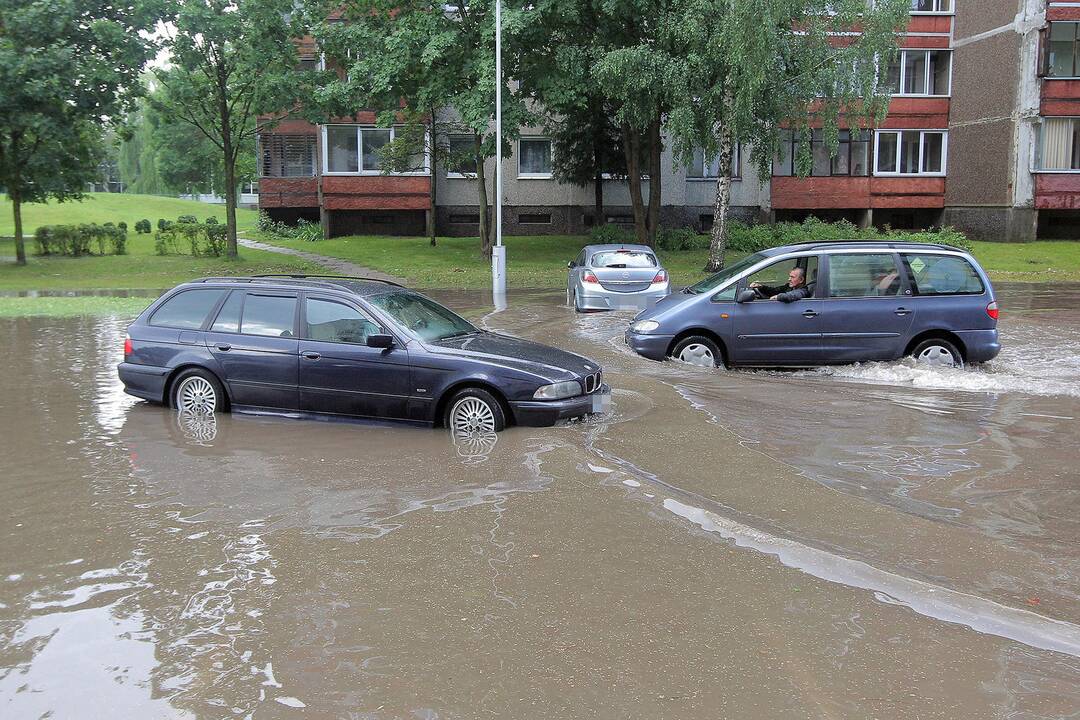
(714,281)
(425,318)
(623,259)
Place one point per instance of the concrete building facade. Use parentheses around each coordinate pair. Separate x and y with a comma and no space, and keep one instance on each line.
(982,133)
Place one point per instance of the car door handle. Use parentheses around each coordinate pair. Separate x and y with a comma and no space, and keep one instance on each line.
(901,311)
(223,347)
(311,355)
(810,313)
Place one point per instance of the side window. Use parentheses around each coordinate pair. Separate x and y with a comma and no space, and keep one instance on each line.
(863,275)
(330,321)
(785,275)
(270,315)
(727,294)
(186,310)
(580,259)
(228,318)
(942,275)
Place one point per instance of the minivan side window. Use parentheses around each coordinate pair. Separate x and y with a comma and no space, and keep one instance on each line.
(186,310)
(942,275)
(864,275)
(331,321)
(270,315)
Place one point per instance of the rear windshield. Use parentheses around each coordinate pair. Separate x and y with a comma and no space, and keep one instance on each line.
(623,259)
(186,310)
(942,275)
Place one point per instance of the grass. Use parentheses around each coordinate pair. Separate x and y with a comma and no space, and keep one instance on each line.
(540,261)
(113,207)
(71,306)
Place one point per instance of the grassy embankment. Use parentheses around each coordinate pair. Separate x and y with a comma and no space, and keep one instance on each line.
(540,261)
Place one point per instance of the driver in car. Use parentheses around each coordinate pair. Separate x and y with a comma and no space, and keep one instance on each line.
(796,288)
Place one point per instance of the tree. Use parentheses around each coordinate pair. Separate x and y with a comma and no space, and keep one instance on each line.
(417,55)
(231,62)
(750,70)
(50,125)
(589,149)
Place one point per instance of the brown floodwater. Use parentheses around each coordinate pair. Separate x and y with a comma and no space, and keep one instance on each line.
(870,541)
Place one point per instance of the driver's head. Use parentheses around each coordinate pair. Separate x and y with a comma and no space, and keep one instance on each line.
(796,278)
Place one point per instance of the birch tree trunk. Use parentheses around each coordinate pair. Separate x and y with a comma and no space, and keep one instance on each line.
(718,241)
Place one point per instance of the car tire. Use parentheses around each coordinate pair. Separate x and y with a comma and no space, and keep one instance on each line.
(698,350)
(197,390)
(574,302)
(474,410)
(936,352)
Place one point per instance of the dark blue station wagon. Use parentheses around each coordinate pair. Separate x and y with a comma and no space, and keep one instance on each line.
(827,303)
(316,345)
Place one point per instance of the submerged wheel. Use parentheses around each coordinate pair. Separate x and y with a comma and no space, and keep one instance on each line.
(473,410)
(937,353)
(197,391)
(698,350)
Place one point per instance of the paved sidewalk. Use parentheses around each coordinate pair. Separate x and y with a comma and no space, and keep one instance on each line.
(334,266)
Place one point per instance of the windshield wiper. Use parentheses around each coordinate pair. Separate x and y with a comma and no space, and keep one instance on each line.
(466,333)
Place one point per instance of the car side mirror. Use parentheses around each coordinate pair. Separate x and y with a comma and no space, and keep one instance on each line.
(380,341)
(570,264)
(745,296)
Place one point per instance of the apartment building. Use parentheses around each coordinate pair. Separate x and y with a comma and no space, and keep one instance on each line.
(983,133)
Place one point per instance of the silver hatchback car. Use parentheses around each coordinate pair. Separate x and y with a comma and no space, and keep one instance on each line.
(610,277)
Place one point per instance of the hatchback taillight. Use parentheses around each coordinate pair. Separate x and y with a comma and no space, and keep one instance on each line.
(589,277)
(127,347)
(661,277)
(992,310)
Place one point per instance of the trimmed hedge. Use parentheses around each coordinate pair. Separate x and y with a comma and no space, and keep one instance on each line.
(79,240)
(205,239)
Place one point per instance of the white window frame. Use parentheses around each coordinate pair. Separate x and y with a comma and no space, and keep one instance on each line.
(926,73)
(457,175)
(736,167)
(1038,154)
(360,153)
(534,176)
(938,11)
(922,148)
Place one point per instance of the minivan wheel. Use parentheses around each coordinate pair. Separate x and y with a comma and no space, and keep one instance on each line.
(197,391)
(474,410)
(698,350)
(937,353)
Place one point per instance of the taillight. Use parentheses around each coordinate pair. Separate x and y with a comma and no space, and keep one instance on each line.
(589,277)
(992,310)
(661,277)
(127,347)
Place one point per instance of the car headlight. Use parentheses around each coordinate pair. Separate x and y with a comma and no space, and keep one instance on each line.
(644,326)
(558,391)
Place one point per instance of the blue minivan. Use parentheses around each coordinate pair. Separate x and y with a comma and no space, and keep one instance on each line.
(829,303)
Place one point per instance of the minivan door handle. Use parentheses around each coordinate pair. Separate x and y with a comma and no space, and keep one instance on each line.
(810,313)
(223,347)
(901,311)
(311,355)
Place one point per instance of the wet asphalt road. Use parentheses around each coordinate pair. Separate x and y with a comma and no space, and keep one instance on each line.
(878,541)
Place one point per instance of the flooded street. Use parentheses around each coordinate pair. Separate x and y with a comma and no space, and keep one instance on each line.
(874,541)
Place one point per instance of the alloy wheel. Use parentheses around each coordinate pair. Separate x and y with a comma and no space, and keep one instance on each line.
(471,415)
(196,395)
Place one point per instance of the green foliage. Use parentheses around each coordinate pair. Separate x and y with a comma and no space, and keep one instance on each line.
(77,240)
(191,238)
(608,235)
(122,225)
(187,219)
(163,224)
(142,227)
(302,230)
(211,220)
(753,238)
(679,239)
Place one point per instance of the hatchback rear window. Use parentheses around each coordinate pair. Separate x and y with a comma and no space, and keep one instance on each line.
(623,259)
(942,275)
(186,310)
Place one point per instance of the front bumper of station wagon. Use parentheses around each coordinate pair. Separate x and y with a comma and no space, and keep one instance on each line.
(541,413)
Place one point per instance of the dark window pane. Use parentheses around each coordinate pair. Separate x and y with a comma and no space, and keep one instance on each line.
(886,152)
(782,164)
(186,310)
(1063,49)
(268,315)
(535,157)
(932,152)
(863,275)
(915,72)
(373,139)
(909,151)
(330,321)
(342,149)
(822,163)
(943,275)
(892,76)
(462,158)
(939,72)
(228,319)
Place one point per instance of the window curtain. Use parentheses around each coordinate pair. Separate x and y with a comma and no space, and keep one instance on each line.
(1057,141)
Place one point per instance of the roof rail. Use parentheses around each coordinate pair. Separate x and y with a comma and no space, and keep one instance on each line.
(303,276)
(885,244)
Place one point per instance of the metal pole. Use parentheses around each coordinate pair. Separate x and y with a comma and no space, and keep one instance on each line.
(498,255)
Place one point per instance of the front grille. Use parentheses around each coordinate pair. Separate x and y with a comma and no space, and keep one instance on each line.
(593,382)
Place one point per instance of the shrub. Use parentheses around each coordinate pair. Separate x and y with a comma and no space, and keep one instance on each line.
(676,239)
(303,230)
(163,224)
(211,220)
(142,227)
(206,239)
(608,234)
(76,240)
(187,219)
(122,225)
(310,231)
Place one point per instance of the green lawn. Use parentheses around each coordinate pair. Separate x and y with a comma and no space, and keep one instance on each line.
(540,261)
(113,207)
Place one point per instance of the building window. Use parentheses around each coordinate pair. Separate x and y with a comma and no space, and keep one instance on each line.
(910,152)
(354,150)
(308,63)
(920,72)
(852,156)
(1062,60)
(534,158)
(699,169)
(462,161)
(286,155)
(1059,144)
(931,6)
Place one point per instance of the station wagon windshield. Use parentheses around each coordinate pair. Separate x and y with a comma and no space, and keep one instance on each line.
(426,319)
(623,259)
(714,281)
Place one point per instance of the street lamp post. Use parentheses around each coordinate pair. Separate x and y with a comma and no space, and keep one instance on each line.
(498,254)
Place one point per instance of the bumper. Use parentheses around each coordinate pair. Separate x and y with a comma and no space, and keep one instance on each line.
(542,413)
(143,381)
(981,345)
(610,300)
(654,347)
